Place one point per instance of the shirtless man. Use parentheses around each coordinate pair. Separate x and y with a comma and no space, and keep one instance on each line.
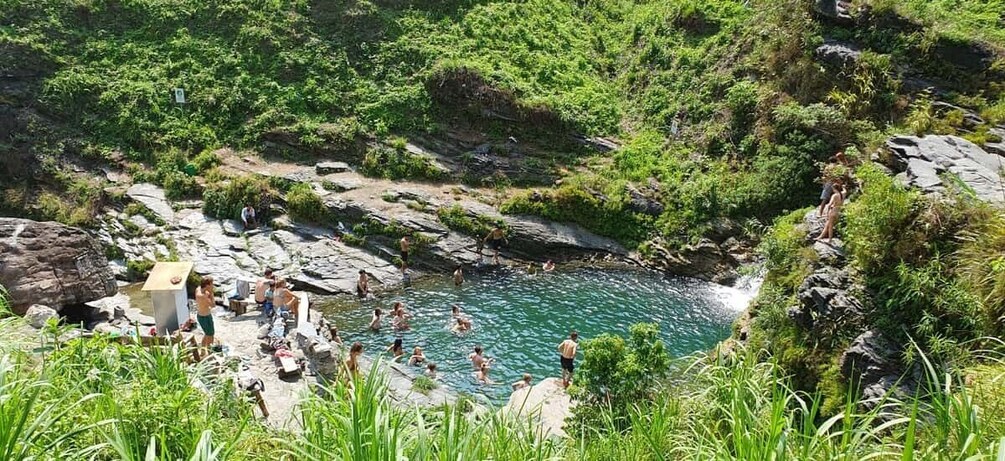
(567,351)
(833,212)
(351,365)
(406,246)
(477,359)
(482,375)
(494,240)
(458,275)
(362,285)
(522,383)
(263,285)
(204,302)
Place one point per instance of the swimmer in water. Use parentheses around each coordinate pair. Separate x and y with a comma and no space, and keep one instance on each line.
(417,357)
(483,374)
(375,321)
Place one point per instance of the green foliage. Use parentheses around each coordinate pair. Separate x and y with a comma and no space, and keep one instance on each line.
(226,199)
(398,163)
(304,204)
(139,269)
(136,208)
(618,373)
(423,384)
(875,221)
(456,218)
(785,247)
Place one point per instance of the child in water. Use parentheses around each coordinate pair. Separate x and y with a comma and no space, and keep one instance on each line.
(417,357)
(375,321)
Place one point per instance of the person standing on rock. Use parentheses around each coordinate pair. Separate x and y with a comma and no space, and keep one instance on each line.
(567,352)
(352,363)
(406,245)
(362,285)
(494,240)
(458,276)
(204,302)
(833,213)
(248,217)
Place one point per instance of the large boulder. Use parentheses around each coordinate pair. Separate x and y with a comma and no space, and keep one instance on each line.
(924,162)
(51,264)
(873,362)
(837,54)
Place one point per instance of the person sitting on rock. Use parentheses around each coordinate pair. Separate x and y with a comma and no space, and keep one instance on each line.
(285,299)
(833,212)
(417,357)
(522,383)
(375,320)
(248,217)
(261,287)
(362,285)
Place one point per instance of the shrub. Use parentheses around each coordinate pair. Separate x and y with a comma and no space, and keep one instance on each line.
(875,221)
(397,163)
(304,204)
(225,200)
(205,161)
(456,218)
(621,373)
(423,384)
(138,269)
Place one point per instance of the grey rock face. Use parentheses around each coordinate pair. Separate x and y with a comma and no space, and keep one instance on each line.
(153,198)
(326,168)
(837,54)
(873,362)
(51,264)
(37,315)
(924,162)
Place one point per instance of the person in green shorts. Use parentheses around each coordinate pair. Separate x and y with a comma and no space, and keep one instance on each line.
(204,302)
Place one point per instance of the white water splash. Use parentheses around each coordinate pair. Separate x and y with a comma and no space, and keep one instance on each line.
(739,296)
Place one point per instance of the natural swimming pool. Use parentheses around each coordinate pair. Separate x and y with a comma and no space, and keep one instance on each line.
(519,319)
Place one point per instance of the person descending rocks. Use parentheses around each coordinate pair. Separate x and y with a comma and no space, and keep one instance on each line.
(494,240)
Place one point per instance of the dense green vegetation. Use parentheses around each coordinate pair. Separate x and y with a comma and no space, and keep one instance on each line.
(931,270)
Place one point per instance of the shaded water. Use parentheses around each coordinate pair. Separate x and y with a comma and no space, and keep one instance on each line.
(519,319)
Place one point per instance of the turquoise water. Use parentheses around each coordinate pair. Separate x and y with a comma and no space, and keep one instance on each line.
(519,319)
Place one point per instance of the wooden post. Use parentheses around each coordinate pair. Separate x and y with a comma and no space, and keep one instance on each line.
(261,403)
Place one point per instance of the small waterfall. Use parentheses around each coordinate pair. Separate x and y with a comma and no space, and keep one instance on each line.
(745,289)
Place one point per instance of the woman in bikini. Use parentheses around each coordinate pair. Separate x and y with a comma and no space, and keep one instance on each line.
(833,212)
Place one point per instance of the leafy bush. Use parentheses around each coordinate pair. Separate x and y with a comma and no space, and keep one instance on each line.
(620,373)
(875,221)
(423,384)
(456,218)
(304,204)
(397,163)
(226,199)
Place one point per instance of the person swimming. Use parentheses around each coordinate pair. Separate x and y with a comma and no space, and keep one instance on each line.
(417,357)
(396,348)
(431,370)
(548,266)
(461,326)
(375,321)
(522,383)
(460,320)
(477,359)
(482,375)
(458,276)
(399,318)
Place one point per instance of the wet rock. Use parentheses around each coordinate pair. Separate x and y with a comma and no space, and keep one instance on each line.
(51,264)
(326,168)
(152,197)
(838,54)
(38,315)
(922,163)
(873,362)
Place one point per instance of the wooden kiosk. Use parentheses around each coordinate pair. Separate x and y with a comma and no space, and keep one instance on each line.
(169,294)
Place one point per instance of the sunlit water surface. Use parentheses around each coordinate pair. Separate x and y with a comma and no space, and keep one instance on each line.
(519,319)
